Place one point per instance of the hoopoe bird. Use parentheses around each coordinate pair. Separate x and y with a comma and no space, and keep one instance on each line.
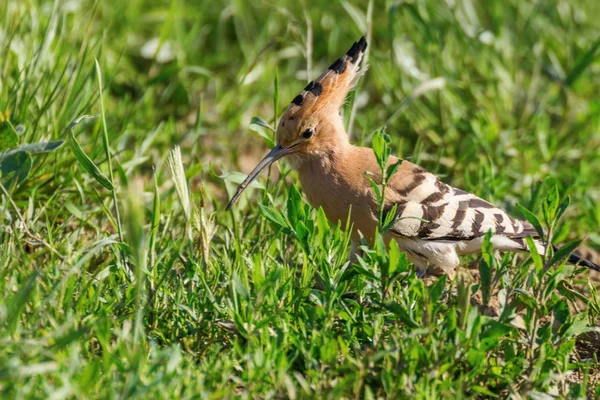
(435,222)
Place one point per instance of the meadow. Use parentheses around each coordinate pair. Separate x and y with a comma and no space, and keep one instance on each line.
(125,126)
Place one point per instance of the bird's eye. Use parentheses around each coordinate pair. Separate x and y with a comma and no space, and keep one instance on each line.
(307,134)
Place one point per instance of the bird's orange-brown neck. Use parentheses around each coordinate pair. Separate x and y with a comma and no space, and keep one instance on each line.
(335,181)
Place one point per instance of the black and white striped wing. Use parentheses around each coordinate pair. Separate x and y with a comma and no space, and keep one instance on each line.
(432,210)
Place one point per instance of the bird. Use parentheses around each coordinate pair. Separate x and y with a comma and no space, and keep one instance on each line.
(434,222)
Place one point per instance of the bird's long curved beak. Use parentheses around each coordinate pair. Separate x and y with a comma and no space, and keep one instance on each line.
(274,155)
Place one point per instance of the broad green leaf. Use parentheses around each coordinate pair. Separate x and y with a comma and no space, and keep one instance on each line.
(35,148)
(8,137)
(74,210)
(364,269)
(295,208)
(302,232)
(572,294)
(265,131)
(394,257)
(535,256)
(378,146)
(550,203)
(322,225)
(15,168)
(238,177)
(526,298)
(375,189)
(450,320)
(475,357)
(565,250)
(84,160)
(533,220)
(392,168)
(274,216)
(17,162)
(401,313)
(257,122)
(437,289)
(578,327)
(390,218)
(473,326)
(563,207)
(561,311)
(485,391)
(495,329)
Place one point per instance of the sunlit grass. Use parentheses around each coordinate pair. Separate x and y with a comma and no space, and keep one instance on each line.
(174,297)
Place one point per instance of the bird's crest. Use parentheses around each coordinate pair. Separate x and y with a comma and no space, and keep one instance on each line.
(330,89)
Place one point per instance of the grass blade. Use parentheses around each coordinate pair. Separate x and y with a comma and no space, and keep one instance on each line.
(584,61)
(107,148)
(19,301)
(84,160)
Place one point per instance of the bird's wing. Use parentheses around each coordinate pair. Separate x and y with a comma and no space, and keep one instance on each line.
(429,209)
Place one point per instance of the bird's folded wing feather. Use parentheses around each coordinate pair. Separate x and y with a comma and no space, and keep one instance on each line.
(429,209)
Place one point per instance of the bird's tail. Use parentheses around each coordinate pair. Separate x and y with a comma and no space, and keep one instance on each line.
(576,259)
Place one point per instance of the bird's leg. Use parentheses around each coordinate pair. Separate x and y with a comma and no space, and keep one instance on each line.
(421,273)
(438,270)
(475,263)
(421,266)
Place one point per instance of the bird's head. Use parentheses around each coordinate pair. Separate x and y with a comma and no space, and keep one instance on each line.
(311,125)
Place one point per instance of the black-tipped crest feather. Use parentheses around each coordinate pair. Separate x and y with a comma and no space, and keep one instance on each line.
(357,49)
(334,79)
(339,66)
(316,89)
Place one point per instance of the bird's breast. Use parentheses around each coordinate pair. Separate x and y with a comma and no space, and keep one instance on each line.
(340,197)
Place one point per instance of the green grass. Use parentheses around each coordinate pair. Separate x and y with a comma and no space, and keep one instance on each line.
(117,282)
